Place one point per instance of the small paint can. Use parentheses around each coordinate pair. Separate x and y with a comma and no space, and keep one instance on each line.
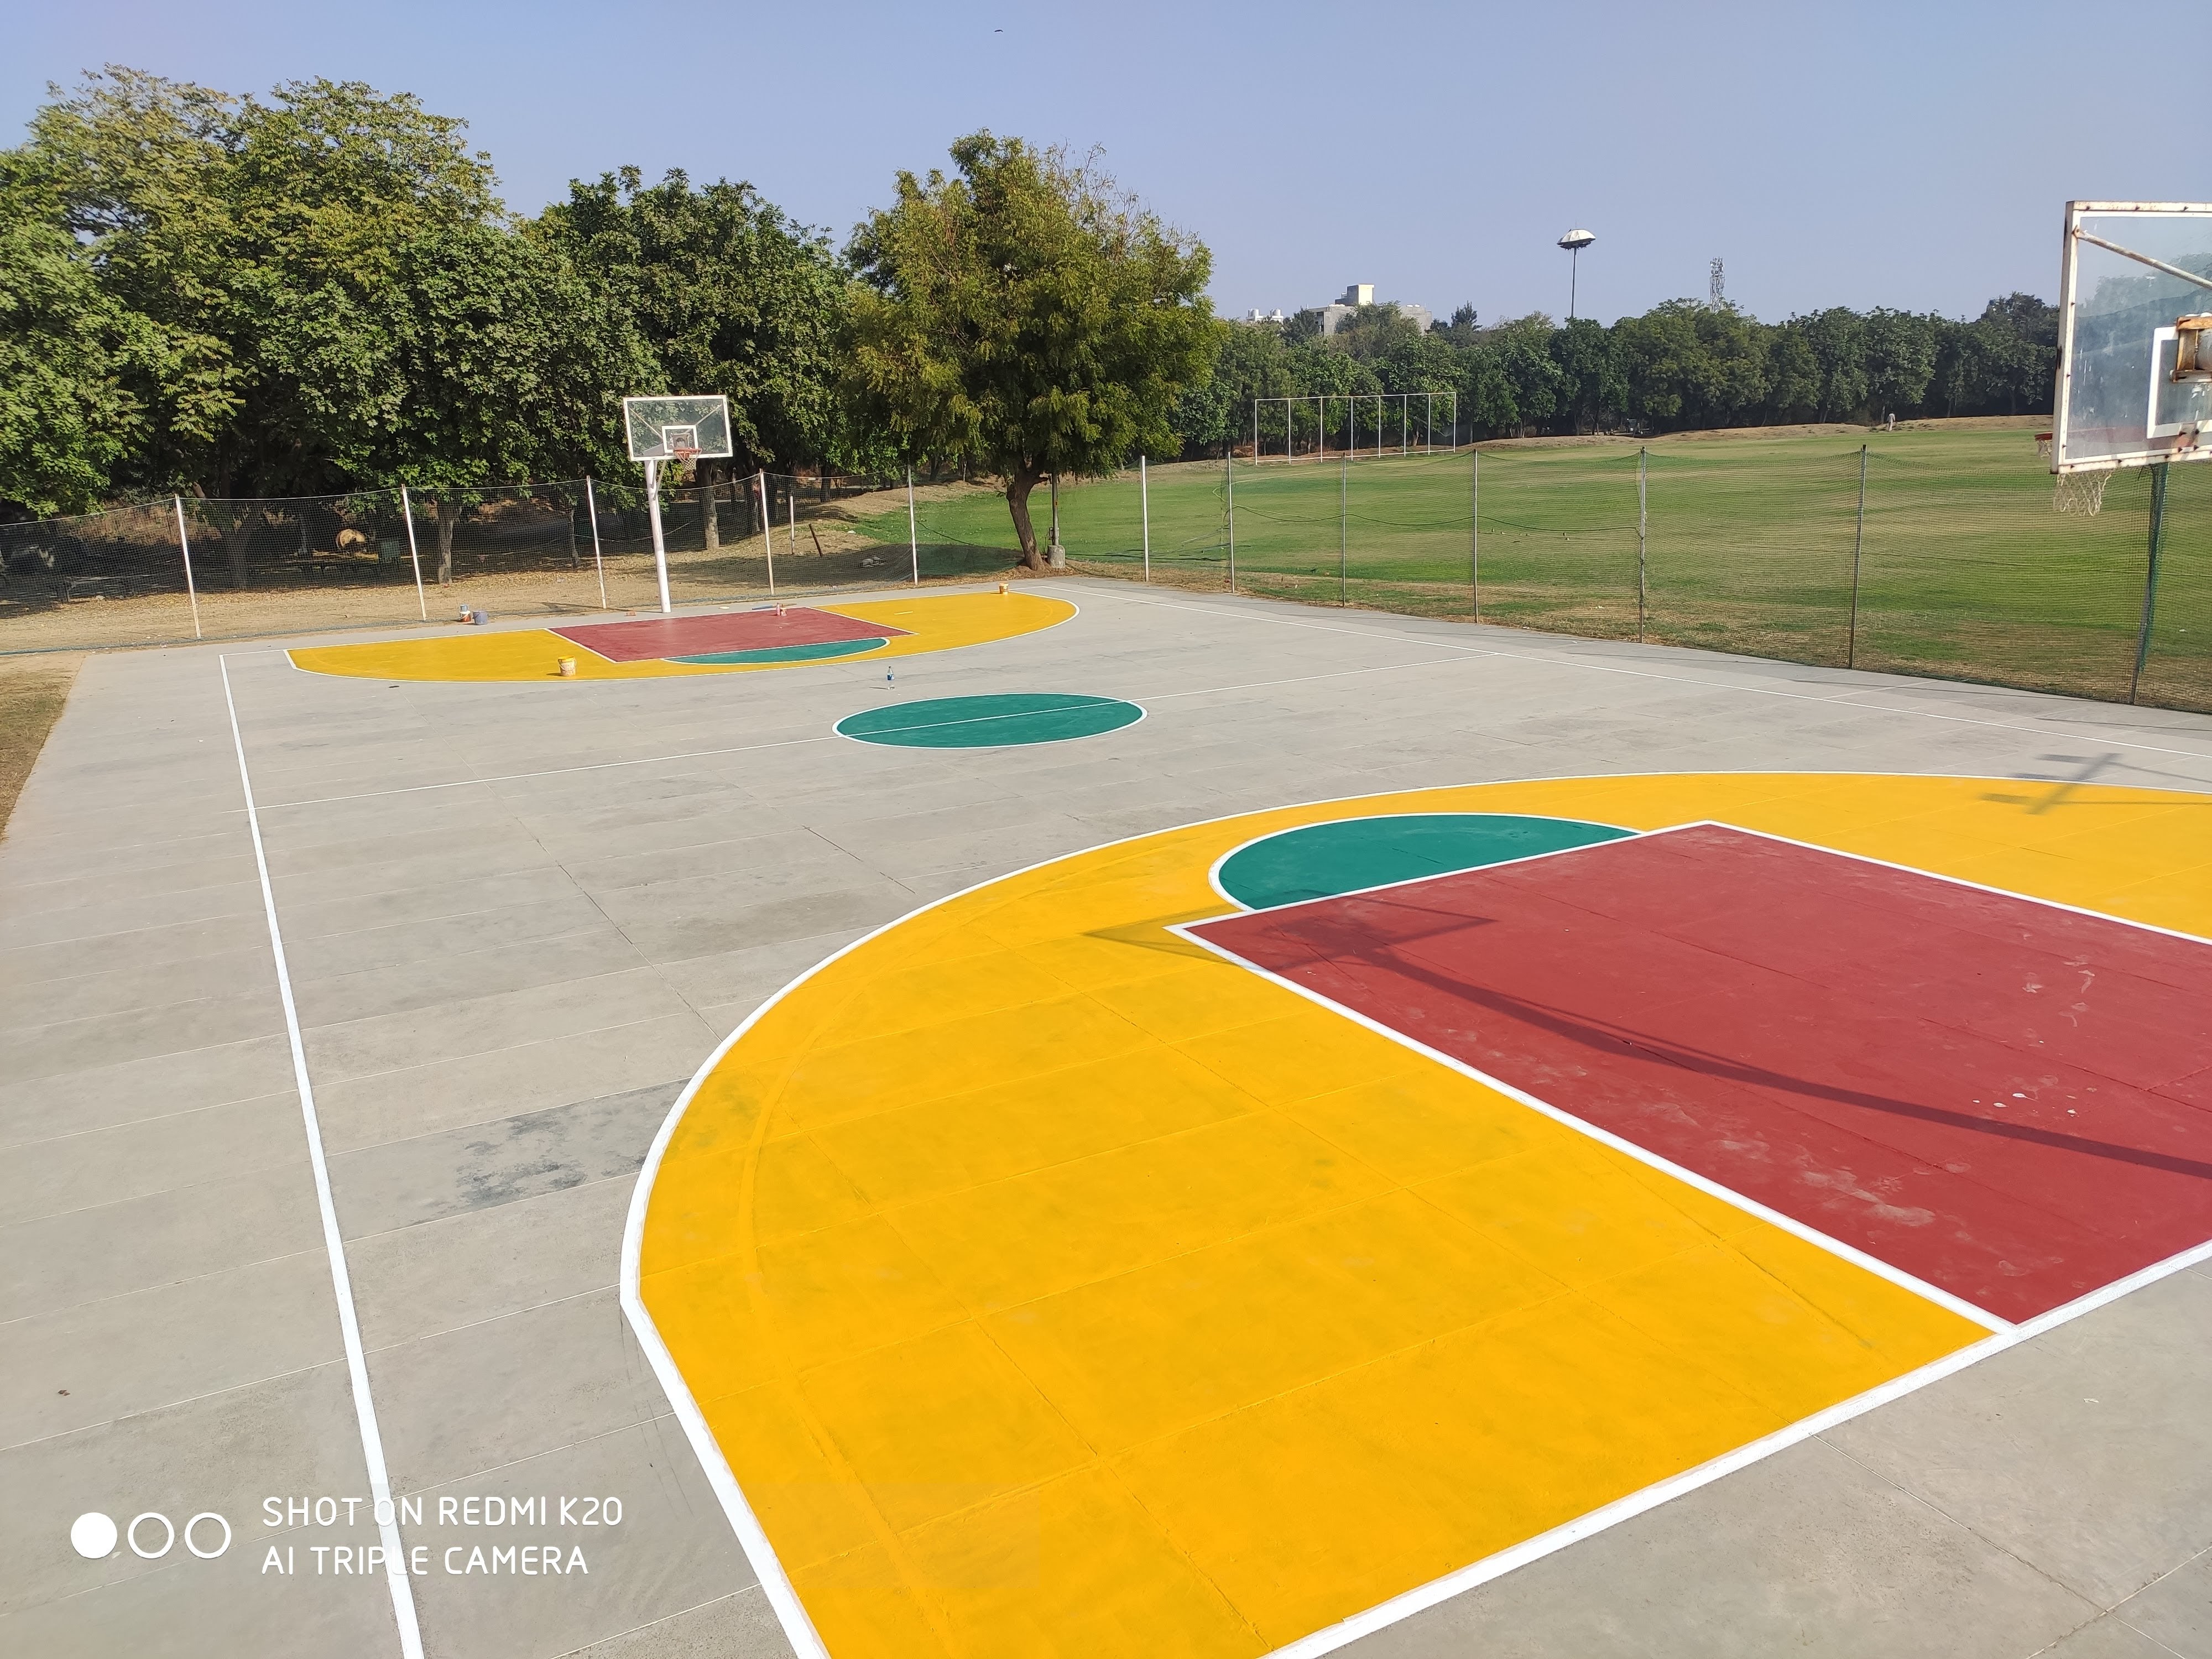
(467,615)
(1005,587)
(566,666)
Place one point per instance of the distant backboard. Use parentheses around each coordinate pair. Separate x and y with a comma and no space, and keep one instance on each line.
(677,428)
(2137,279)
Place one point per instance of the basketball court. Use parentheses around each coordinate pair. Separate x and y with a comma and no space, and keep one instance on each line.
(1160,1124)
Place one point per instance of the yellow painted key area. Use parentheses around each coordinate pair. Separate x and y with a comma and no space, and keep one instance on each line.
(934,621)
(1053,1287)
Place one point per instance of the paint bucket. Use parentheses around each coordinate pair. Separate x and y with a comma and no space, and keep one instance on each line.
(478,618)
(565,667)
(1005,587)
(467,615)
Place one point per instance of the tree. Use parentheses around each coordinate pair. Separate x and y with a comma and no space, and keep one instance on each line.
(1025,313)
(67,420)
(728,295)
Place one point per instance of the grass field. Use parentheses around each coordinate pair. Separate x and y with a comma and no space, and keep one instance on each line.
(32,693)
(1963,571)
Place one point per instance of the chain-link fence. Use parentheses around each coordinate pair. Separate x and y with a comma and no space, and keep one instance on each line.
(1924,553)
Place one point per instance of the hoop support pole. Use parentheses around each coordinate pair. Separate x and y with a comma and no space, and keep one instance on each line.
(659,546)
(768,527)
(2150,575)
(913,532)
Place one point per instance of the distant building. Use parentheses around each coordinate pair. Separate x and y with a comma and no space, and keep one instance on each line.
(1363,294)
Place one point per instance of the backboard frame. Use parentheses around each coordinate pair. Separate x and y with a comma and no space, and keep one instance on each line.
(649,426)
(2163,441)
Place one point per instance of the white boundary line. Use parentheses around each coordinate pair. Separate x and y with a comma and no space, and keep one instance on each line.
(798,1629)
(372,1442)
(1846,698)
(1403,1606)
(1688,1177)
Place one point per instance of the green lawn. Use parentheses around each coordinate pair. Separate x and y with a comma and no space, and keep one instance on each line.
(1965,571)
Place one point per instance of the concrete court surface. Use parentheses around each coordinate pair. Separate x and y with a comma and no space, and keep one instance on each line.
(518,917)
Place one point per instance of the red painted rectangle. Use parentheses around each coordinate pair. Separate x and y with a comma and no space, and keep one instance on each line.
(2000,1097)
(735,630)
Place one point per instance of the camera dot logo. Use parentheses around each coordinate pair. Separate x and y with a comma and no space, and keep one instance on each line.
(92,1536)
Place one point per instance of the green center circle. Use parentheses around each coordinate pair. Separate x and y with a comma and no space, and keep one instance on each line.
(992,722)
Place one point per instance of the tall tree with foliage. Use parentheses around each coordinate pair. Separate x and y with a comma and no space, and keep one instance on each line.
(728,295)
(1026,313)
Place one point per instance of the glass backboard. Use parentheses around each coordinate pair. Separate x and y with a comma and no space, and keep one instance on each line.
(658,427)
(2126,285)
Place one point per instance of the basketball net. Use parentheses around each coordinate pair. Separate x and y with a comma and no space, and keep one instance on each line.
(2081,492)
(683,458)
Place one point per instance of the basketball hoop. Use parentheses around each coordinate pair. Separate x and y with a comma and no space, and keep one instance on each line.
(2081,493)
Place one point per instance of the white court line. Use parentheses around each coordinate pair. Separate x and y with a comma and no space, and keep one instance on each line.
(1418,1600)
(798,1628)
(1843,695)
(372,1443)
(1689,1177)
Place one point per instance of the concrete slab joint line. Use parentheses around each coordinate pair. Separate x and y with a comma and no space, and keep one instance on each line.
(372,1442)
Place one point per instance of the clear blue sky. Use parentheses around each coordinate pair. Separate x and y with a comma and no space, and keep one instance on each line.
(1912,155)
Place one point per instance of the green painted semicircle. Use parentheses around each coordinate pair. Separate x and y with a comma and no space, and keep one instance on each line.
(821,648)
(1320,860)
(990,722)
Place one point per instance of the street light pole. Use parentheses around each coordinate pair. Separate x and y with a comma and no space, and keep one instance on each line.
(1574,241)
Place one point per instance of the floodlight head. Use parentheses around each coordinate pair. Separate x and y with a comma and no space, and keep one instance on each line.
(1576,240)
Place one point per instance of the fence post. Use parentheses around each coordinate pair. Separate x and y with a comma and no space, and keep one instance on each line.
(2150,575)
(1145,510)
(1230,475)
(414,553)
(600,564)
(1474,523)
(1642,519)
(1858,546)
(767,527)
(913,533)
(1343,529)
(183,543)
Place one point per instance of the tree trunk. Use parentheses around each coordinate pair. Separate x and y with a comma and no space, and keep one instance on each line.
(711,531)
(449,520)
(1019,483)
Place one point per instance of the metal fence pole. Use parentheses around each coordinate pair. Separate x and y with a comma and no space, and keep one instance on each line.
(1474,526)
(185,545)
(913,532)
(1145,511)
(2150,575)
(1858,546)
(599,563)
(1343,528)
(414,553)
(1230,475)
(1642,520)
